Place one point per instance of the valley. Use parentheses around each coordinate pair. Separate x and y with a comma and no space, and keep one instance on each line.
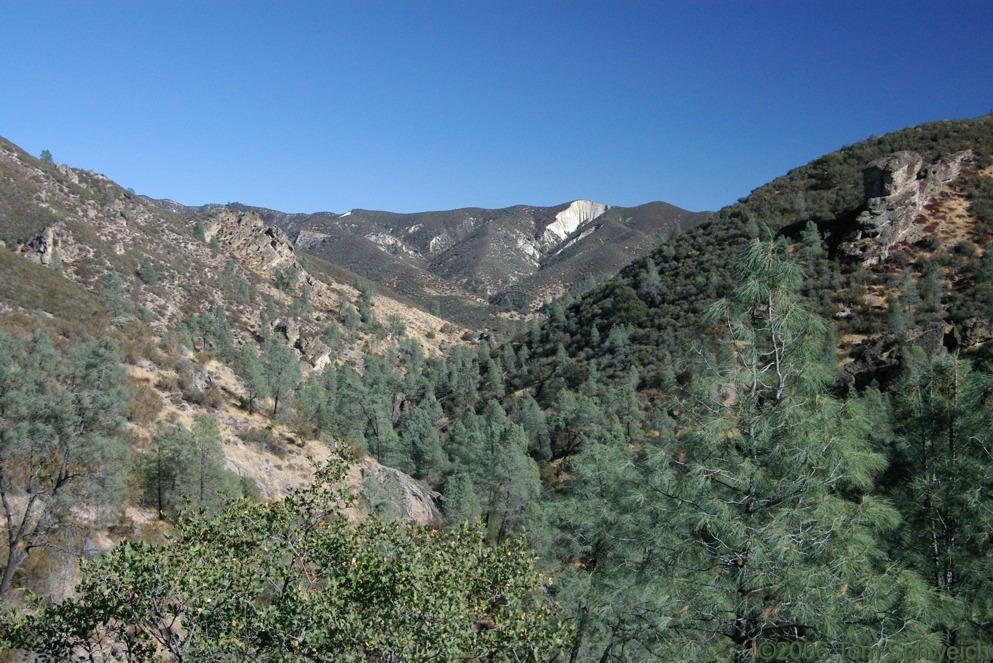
(576,433)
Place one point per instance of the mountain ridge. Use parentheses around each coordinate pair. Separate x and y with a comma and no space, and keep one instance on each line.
(463,260)
(698,380)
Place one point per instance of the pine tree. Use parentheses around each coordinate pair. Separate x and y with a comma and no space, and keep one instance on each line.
(896,318)
(909,299)
(599,587)
(942,480)
(252,373)
(281,369)
(494,378)
(460,503)
(207,483)
(931,291)
(422,443)
(366,293)
(527,414)
(771,529)
(223,337)
(751,521)
(161,464)
(61,448)
(651,281)
(811,245)
(114,296)
(505,476)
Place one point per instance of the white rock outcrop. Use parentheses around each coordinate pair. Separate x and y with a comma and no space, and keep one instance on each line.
(573,216)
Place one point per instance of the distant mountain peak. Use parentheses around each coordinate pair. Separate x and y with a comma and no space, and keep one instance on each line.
(461,260)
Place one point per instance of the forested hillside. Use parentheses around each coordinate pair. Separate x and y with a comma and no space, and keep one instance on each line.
(656,300)
(770,440)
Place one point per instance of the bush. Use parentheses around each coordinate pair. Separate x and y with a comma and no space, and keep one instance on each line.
(375,591)
(145,404)
(966,248)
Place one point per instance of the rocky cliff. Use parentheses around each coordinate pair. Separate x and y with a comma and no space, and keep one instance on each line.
(897,192)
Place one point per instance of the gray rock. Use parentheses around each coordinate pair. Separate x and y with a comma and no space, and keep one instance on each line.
(41,248)
(895,199)
(68,173)
(289,329)
(245,234)
(975,331)
(888,175)
(381,485)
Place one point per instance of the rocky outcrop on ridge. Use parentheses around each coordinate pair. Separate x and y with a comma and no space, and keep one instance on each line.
(897,191)
(245,234)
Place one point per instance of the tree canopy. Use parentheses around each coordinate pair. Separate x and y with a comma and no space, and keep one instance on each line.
(292,580)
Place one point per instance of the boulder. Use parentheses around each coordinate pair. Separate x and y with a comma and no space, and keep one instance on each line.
(975,331)
(289,329)
(411,500)
(68,173)
(315,350)
(42,247)
(878,358)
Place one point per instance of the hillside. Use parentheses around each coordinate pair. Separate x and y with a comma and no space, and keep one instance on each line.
(86,258)
(459,262)
(656,300)
(772,432)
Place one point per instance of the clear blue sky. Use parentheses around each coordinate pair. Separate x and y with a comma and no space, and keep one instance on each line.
(433,104)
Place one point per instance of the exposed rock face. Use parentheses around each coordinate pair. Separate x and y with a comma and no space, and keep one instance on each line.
(568,220)
(245,234)
(465,257)
(879,358)
(41,248)
(975,332)
(289,329)
(889,175)
(306,239)
(68,173)
(317,353)
(414,502)
(896,192)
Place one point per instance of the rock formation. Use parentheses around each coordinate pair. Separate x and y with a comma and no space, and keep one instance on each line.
(259,247)
(568,220)
(41,248)
(896,191)
(414,502)
(878,358)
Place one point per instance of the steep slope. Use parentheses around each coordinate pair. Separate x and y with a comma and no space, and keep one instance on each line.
(483,253)
(871,238)
(594,249)
(85,257)
(462,260)
(675,421)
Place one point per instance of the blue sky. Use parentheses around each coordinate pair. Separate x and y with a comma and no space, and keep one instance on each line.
(427,105)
